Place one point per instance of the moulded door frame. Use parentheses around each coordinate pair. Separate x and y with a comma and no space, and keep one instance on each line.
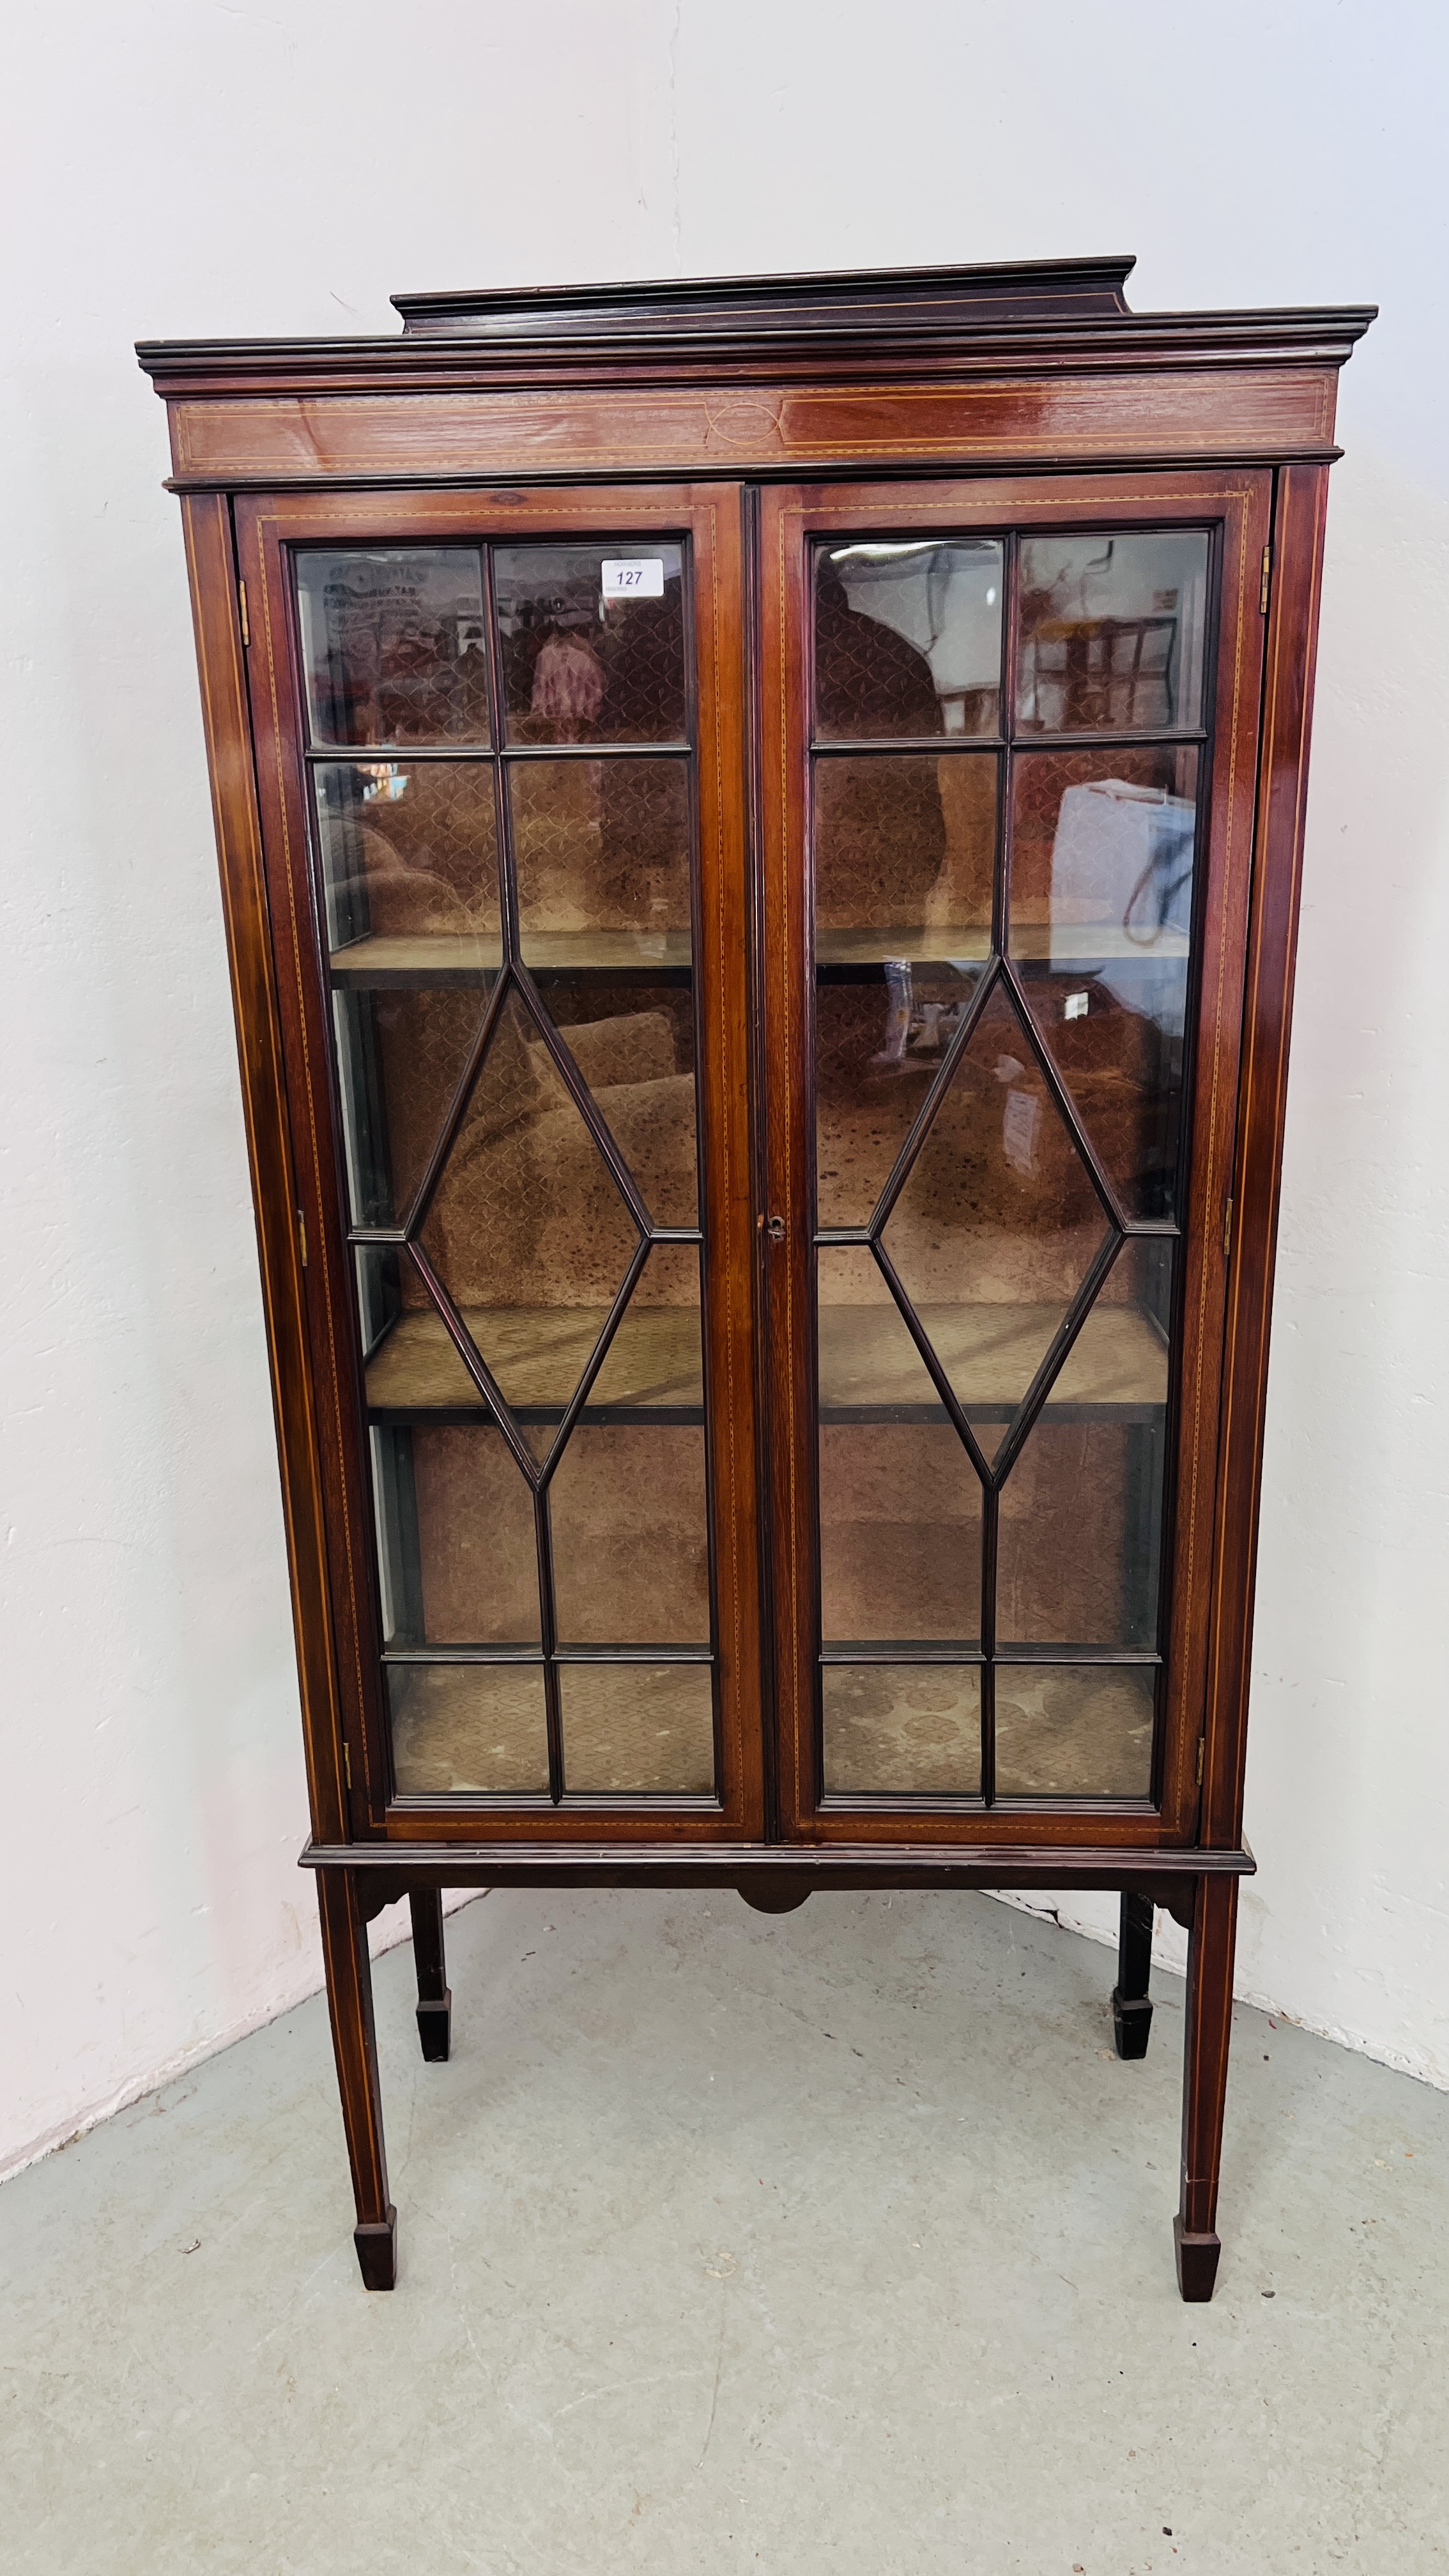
(267,527)
(1237,503)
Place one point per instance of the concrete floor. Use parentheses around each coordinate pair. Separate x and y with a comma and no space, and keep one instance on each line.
(839,2242)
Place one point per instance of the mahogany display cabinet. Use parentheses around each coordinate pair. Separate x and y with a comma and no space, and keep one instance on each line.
(760,828)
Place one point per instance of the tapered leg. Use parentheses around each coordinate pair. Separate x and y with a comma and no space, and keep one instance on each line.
(1205,2080)
(435,2000)
(1131,2002)
(349,2001)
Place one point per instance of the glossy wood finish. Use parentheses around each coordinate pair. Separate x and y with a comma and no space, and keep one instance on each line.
(733,412)
(1273,930)
(226,717)
(435,2000)
(1039,362)
(354,2042)
(1205,2081)
(427,436)
(1166,1869)
(1131,2001)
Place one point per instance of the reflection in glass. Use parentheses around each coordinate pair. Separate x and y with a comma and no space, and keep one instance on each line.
(901,1728)
(630,1548)
(638,1729)
(998,1222)
(880,1038)
(1100,925)
(1074,1730)
(580,666)
(478,1727)
(904,843)
(908,638)
(394,644)
(409,854)
(1112,632)
(602,853)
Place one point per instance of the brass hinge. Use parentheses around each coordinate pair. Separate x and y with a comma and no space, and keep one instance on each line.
(302,1236)
(1227,1229)
(241,592)
(1267,574)
(1201,1745)
(347,1763)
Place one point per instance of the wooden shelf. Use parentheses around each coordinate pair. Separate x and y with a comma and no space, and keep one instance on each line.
(445,957)
(538,1354)
(953,943)
(663,957)
(1083,943)
(869,1371)
(856,956)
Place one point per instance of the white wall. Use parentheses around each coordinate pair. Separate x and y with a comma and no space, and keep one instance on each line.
(178,169)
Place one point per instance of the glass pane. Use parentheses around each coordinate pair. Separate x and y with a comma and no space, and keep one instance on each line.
(394,644)
(870,1369)
(477,1727)
(908,638)
(409,856)
(1080,1530)
(633,1043)
(997,1224)
(1112,631)
(1079,1533)
(580,665)
(630,1547)
(639,1728)
(904,845)
(901,1728)
(880,1035)
(401,1055)
(900,1535)
(527,1229)
(457,1553)
(379,1296)
(1074,1730)
(654,1367)
(602,853)
(1100,924)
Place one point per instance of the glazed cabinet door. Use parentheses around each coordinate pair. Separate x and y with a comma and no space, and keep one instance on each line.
(1008,751)
(500,771)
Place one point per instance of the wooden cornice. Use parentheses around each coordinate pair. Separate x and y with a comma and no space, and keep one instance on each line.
(960,321)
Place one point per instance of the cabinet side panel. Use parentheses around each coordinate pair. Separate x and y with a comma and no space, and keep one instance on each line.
(1273,930)
(1216,1077)
(206,523)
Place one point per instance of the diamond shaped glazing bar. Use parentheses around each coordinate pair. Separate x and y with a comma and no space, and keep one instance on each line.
(997,1221)
(974,1006)
(474,1362)
(528,1230)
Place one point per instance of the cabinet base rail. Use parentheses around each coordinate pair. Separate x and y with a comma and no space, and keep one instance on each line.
(1199,1888)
